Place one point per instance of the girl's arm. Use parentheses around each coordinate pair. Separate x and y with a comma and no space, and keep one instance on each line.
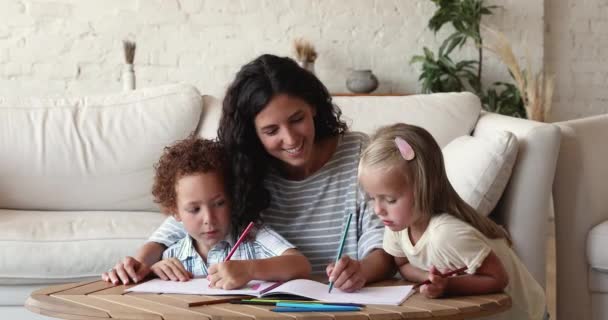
(409,272)
(350,275)
(236,273)
(490,277)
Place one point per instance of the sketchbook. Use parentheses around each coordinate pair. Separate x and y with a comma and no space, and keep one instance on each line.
(391,295)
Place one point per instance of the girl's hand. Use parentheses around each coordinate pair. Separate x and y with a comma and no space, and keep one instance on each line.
(171,269)
(438,284)
(230,274)
(125,271)
(346,275)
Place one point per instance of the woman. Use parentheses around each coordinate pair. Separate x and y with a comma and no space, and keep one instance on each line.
(296,165)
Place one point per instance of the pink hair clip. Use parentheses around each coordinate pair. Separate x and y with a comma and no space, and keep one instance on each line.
(405,149)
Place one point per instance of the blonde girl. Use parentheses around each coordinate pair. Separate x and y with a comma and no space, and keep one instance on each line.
(430,230)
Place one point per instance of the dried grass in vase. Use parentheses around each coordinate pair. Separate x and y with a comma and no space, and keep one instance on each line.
(536,89)
(304,50)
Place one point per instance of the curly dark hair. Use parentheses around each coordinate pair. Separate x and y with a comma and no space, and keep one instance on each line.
(186,157)
(254,86)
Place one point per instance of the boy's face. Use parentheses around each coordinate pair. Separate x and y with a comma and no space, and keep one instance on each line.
(202,206)
(391,196)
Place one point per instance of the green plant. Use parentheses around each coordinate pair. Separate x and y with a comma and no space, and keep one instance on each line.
(443,74)
(504,98)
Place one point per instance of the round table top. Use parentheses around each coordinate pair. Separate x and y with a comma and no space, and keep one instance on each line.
(95,300)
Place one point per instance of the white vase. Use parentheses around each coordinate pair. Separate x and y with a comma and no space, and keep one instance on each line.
(128,78)
(308,65)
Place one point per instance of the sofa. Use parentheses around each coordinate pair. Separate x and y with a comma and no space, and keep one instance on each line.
(76,173)
(581,219)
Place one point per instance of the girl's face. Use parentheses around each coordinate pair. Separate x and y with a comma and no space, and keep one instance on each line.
(391,196)
(287,131)
(203,208)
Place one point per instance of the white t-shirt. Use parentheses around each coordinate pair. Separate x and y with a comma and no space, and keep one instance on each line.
(450,243)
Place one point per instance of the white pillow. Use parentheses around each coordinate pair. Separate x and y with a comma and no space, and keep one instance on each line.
(479,168)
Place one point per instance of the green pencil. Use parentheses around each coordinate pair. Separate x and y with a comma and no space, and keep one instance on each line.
(350,216)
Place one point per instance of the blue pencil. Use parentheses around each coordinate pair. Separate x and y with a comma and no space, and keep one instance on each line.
(319,309)
(350,216)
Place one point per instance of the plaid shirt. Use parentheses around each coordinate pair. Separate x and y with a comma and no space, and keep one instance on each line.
(267,244)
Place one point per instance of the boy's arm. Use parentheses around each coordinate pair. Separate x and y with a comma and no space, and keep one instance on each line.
(409,272)
(291,264)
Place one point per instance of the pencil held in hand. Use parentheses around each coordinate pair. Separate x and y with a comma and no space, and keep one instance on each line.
(238,242)
(350,217)
(444,275)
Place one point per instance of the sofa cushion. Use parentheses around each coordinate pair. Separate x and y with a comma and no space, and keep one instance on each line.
(597,255)
(90,153)
(479,168)
(43,247)
(445,115)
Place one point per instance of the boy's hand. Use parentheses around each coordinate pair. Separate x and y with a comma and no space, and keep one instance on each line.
(346,275)
(171,269)
(125,271)
(438,284)
(230,274)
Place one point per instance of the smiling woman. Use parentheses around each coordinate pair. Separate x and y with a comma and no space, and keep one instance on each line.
(295,168)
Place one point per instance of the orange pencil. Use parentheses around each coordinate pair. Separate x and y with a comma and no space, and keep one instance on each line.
(447,274)
(238,242)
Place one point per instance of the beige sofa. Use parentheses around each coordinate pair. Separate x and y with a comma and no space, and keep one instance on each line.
(75,174)
(581,219)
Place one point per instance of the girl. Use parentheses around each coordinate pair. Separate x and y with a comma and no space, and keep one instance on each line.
(296,165)
(430,229)
(190,183)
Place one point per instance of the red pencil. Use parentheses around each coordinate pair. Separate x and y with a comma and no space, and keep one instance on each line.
(447,274)
(238,242)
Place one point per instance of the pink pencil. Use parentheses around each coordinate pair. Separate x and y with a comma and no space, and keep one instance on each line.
(238,242)
(447,274)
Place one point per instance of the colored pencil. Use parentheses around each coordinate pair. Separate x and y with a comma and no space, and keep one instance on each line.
(238,242)
(350,217)
(317,309)
(447,274)
(274,302)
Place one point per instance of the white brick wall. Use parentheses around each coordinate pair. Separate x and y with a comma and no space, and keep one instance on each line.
(576,49)
(69,46)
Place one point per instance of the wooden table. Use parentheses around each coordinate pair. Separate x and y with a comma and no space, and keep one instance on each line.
(97,300)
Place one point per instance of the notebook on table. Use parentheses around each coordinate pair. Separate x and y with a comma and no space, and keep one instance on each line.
(390,295)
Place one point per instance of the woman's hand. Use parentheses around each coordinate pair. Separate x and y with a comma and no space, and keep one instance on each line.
(347,275)
(438,284)
(231,274)
(125,271)
(171,269)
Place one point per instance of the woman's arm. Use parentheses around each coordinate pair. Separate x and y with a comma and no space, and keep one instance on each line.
(236,273)
(377,265)
(409,272)
(290,265)
(135,269)
(150,253)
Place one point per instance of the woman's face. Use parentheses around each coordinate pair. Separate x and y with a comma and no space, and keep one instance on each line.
(287,131)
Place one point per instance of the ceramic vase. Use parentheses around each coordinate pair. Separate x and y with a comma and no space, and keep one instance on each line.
(361,81)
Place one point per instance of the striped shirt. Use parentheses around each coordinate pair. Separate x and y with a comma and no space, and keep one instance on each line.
(311,213)
(267,244)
